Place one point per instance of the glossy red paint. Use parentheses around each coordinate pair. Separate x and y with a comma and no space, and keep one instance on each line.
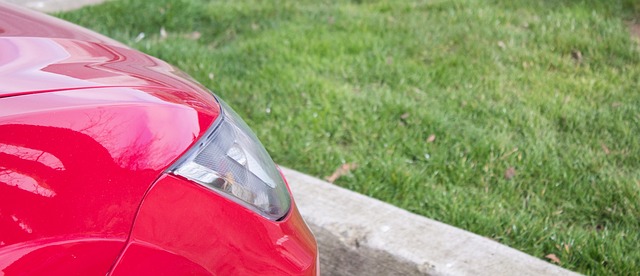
(61,256)
(74,165)
(85,130)
(72,64)
(41,53)
(184,223)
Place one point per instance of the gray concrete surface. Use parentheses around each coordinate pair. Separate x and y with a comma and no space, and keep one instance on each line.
(358,235)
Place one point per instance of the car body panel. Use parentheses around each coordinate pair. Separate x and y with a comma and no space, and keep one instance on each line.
(61,256)
(71,64)
(206,232)
(41,53)
(87,127)
(76,164)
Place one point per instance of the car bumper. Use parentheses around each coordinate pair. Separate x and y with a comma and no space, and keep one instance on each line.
(184,228)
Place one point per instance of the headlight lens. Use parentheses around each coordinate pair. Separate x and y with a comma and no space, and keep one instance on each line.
(230,160)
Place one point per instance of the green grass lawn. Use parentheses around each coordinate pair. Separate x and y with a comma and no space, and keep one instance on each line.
(534,105)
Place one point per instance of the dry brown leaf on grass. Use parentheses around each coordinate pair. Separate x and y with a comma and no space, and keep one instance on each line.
(389,60)
(501,45)
(403,119)
(340,171)
(605,148)
(510,173)
(193,35)
(553,258)
(431,138)
(634,30)
(576,55)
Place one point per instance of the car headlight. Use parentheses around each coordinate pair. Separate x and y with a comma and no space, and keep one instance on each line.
(230,160)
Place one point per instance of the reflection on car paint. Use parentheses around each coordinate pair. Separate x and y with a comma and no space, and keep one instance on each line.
(67,143)
(43,157)
(25,183)
(71,64)
(88,127)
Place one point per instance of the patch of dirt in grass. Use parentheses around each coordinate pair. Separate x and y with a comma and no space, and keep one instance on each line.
(634,29)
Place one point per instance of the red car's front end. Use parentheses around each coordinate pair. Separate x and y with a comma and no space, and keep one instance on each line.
(112,161)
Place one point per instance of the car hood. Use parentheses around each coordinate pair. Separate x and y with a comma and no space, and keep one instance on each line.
(86,126)
(34,65)
(41,54)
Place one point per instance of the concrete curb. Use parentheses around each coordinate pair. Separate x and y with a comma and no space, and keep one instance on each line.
(358,235)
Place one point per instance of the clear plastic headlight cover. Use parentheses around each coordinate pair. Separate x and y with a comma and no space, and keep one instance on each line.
(230,160)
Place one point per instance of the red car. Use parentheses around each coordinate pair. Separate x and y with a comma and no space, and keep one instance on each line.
(114,162)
